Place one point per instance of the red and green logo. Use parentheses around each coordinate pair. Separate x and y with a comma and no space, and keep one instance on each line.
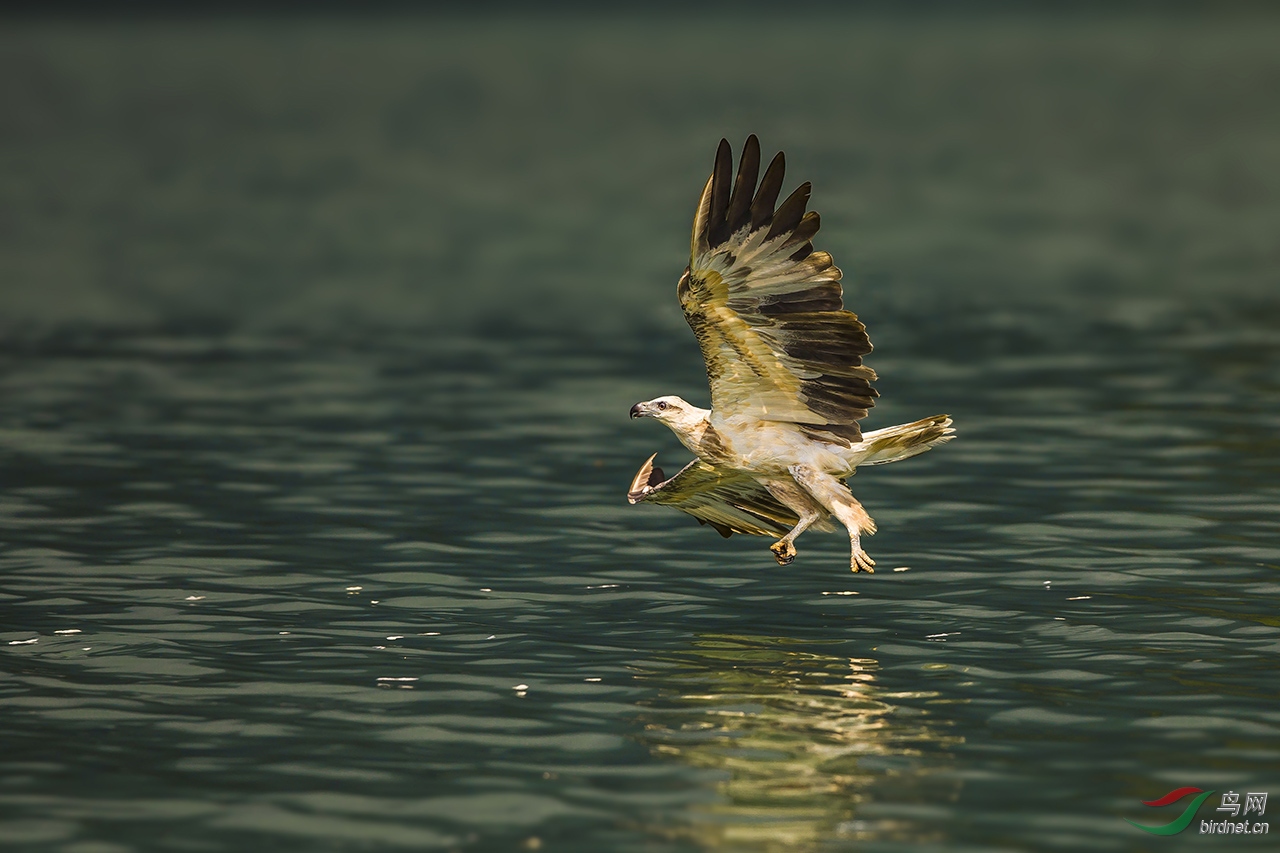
(1183,820)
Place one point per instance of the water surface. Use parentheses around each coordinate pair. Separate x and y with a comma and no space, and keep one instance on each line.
(314,445)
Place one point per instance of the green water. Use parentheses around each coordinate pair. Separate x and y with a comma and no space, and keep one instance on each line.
(319,338)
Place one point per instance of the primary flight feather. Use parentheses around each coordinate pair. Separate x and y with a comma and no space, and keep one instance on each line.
(784,361)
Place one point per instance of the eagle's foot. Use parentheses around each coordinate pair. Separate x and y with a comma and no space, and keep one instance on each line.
(861,562)
(783,551)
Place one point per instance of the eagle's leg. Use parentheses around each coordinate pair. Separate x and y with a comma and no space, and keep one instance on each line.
(835,498)
(784,550)
(803,505)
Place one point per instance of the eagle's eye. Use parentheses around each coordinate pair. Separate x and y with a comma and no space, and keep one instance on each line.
(662,406)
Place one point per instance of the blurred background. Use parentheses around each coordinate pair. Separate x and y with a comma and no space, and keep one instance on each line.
(538,170)
(319,329)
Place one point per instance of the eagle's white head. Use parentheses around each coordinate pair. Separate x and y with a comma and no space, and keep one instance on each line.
(669,410)
(683,418)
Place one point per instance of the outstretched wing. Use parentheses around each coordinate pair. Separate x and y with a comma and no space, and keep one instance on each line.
(729,501)
(767,309)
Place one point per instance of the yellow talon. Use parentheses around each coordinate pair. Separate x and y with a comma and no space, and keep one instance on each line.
(783,551)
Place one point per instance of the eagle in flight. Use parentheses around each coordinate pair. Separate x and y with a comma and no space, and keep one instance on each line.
(784,360)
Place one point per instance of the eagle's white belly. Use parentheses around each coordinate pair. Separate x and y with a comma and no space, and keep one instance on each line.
(764,447)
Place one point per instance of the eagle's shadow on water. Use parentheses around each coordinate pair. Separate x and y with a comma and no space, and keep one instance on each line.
(800,743)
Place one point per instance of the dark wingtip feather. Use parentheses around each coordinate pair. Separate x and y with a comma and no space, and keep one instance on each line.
(767,194)
(745,185)
(790,212)
(803,252)
(721,179)
(805,229)
(648,478)
(723,529)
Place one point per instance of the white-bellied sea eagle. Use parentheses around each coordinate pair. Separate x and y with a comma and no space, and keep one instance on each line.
(784,360)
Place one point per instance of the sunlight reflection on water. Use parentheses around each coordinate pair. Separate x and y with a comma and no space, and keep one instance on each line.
(799,740)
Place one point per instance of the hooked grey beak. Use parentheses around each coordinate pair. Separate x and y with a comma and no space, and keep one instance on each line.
(636,411)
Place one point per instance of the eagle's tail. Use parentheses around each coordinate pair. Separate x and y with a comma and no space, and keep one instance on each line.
(905,440)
